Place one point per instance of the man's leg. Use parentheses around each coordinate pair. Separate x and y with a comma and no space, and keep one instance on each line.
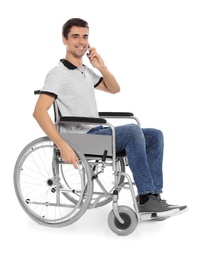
(154,152)
(131,139)
(144,150)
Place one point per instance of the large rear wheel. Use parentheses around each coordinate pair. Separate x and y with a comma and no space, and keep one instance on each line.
(42,190)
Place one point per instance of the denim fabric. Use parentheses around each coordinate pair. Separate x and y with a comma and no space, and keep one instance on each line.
(144,150)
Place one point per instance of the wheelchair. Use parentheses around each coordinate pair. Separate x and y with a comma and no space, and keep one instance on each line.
(55,194)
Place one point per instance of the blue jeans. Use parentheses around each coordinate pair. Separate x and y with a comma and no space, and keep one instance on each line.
(144,151)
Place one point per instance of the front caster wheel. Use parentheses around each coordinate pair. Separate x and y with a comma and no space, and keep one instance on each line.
(130,221)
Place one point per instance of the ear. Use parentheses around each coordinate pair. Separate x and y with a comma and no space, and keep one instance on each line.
(65,41)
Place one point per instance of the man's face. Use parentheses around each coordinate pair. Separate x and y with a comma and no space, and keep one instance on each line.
(77,42)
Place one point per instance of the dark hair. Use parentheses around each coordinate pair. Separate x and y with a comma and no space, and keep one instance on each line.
(73,22)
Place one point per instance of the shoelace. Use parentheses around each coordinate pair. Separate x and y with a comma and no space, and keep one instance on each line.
(164,202)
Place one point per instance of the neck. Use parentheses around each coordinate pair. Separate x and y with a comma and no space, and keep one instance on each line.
(77,61)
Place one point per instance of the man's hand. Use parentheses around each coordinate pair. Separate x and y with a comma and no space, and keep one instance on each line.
(95,59)
(68,155)
(109,83)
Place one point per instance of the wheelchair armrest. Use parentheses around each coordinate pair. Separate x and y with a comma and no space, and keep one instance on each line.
(82,119)
(121,115)
(114,114)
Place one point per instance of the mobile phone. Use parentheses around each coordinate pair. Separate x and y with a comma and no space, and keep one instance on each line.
(88,52)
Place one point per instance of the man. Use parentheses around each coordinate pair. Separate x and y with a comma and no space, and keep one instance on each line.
(73,84)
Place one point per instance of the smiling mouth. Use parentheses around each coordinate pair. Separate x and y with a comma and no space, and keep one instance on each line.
(81,48)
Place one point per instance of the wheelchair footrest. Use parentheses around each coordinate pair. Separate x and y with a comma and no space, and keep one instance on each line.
(158,215)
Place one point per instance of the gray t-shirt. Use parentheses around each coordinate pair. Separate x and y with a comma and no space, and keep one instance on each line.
(74,90)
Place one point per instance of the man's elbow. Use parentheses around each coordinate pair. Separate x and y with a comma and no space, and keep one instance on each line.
(115,91)
(36,114)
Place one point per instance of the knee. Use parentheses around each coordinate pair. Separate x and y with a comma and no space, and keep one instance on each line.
(153,135)
(134,131)
(158,136)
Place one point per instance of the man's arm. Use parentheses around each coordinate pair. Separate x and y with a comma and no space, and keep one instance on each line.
(42,117)
(109,83)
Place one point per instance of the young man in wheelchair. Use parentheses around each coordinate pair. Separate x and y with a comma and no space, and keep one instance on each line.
(73,84)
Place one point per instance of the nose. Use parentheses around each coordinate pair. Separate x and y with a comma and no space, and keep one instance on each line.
(82,40)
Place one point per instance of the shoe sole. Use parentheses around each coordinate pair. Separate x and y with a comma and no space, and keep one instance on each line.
(158,215)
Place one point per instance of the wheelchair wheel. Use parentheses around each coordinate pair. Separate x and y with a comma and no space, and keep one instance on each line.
(103,183)
(41,189)
(130,221)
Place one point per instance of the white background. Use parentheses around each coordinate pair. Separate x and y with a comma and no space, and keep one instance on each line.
(153,49)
